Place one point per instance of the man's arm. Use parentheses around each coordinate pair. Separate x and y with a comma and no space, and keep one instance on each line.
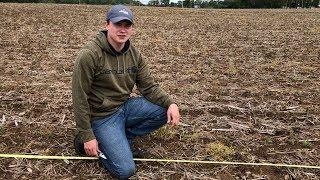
(152,91)
(81,82)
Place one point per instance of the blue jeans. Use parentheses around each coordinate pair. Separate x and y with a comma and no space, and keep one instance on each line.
(115,133)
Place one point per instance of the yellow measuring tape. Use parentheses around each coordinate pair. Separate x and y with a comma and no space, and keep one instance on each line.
(26,156)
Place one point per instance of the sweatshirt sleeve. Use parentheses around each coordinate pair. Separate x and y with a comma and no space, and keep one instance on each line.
(81,82)
(148,88)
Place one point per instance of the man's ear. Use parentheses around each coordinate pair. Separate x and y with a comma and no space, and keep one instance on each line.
(106,24)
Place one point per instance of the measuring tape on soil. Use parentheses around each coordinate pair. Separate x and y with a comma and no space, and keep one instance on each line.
(27,156)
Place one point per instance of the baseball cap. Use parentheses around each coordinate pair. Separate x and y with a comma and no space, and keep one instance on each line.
(118,13)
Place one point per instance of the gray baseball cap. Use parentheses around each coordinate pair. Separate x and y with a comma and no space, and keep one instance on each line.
(118,13)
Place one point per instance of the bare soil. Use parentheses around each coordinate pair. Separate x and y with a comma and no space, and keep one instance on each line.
(247,83)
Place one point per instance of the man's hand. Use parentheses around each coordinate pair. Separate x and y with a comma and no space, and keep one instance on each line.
(91,148)
(173,115)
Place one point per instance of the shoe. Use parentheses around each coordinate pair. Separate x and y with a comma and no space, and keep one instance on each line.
(78,145)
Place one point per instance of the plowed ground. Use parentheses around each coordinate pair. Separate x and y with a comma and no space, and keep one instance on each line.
(247,83)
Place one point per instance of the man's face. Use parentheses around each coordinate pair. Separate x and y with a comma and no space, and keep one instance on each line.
(119,32)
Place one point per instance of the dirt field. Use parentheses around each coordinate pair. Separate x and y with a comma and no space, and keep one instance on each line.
(247,82)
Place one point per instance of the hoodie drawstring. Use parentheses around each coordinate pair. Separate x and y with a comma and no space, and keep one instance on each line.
(123,65)
(118,65)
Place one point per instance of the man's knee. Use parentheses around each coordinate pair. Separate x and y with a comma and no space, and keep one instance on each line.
(120,171)
(125,171)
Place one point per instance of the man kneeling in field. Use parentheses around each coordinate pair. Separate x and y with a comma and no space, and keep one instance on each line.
(107,118)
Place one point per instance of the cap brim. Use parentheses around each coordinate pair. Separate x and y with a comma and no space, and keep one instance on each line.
(121,18)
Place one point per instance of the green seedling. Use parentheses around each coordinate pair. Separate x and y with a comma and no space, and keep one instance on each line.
(220,151)
(306,144)
(164,132)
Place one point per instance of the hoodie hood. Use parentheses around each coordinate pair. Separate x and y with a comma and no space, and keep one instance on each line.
(101,40)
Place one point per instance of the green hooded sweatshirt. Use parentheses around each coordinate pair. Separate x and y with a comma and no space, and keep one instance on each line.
(103,80)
